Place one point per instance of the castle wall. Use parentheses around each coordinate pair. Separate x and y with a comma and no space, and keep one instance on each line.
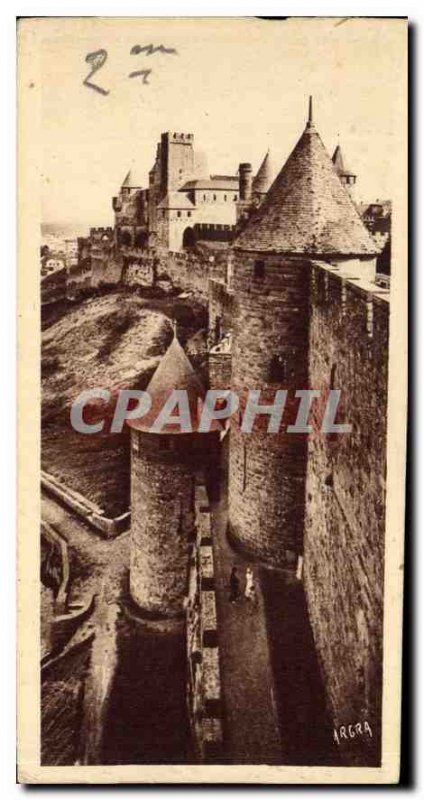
(219,367)
(139,271)
(267,471)
(54,287)
(204,698)
(187,271)
(162,518)
(211,232)
(170,227)
(345,502)
(192,271)
(106,265)
(216,207)
(79,274)
(221,310)
(105,268)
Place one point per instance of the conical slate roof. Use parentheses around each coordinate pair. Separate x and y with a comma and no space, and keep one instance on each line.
(307,209)
(263,178)
(339,163)
(132,180)
(174,372)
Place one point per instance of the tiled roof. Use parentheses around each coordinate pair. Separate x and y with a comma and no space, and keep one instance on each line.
(263,178)
(307,209)
(176,200)
(222,182)
(174,372)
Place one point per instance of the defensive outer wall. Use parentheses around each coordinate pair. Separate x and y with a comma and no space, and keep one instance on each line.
(340,525)
(346,498)
(340,519)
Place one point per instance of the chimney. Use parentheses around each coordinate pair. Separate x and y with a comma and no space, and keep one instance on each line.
(245,182)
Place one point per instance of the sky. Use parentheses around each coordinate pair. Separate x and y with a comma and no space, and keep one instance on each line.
(240,86)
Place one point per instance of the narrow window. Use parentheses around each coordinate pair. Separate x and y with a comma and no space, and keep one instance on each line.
(259,270)
(235,197)
(225,197)
(214,197)
(178,213)
(333,376)
(189,213)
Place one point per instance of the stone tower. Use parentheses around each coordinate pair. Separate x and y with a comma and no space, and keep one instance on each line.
(245,182)
(347,177)
(131,211)
(163,472)
(177,162)
(306,214)
(252,191)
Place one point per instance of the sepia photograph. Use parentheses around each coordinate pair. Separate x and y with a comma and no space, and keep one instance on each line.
(213,322)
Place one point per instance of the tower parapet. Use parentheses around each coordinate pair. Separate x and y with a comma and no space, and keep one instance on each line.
(176,160)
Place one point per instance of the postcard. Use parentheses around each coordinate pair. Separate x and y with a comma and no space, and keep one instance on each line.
(213,394)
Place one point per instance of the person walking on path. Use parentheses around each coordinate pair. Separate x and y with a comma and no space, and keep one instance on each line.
(234,586)
(250,592)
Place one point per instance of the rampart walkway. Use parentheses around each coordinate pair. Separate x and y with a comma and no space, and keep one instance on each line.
(251,729)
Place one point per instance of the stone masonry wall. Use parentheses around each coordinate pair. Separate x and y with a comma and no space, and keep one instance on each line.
(269,352)
(221,310)
(203,672)
(106,267)
(187,271)
(162,520)
(345,503)
(219,365)
(139,271)
(191,271)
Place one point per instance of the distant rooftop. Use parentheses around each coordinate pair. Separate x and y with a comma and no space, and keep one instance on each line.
(219,182)
(340,164)
(264,176)
(133,179)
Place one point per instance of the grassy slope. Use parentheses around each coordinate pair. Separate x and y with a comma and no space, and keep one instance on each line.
(110,342)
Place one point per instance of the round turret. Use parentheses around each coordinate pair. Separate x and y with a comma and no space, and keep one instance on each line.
(306,214)
(164,466)
(245,182)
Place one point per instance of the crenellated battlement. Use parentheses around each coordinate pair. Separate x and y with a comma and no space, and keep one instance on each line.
(96,232)
(179,137)
(349,299)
